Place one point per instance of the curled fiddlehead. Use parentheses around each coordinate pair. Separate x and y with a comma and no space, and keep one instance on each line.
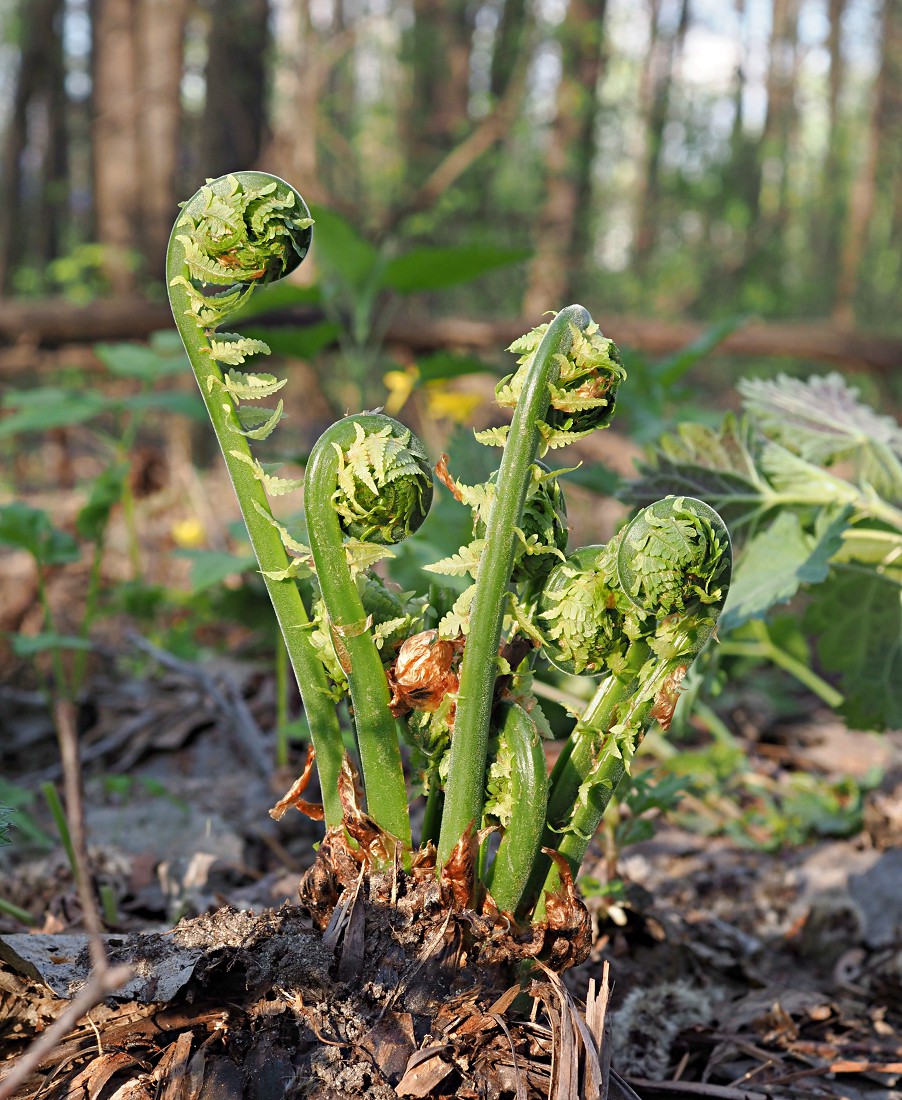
(673,567)
(367,479)
(529,430)
(235,234)
(583,612)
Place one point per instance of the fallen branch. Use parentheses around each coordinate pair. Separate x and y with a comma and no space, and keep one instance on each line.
(52,323)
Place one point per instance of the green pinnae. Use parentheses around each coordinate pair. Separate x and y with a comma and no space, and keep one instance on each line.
(542,531)
(583,611)
(584,396)
(384,484)
(673,556)
(248,230)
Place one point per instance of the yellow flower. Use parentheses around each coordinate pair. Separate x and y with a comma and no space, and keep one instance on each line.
(188,533)
(400,385)
(444,403)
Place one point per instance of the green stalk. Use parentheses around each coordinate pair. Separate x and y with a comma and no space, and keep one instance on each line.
(265,539)
(465,791)
(510,870)
(603,770)
(281,703)
(577,759)
(62,827)
(377,738)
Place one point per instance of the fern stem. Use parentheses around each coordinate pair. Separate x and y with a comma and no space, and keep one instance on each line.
(270,552)
(465,791)
(510,871)
(377,737)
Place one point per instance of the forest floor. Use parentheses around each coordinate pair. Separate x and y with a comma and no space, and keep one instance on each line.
(741,966)
(736,971)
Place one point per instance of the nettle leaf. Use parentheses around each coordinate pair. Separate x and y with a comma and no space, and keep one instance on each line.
(717,466)
(857,618)
(777,562)
(820,418)
(808,484)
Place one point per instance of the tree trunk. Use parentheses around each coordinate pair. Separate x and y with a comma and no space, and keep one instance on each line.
(827,223)
(161,32)
(884,127)
(302,68)
(657,80)
(562,227)
(439,56)
(769,187)
(234,121)
(33,201)
(510,39)
(115,144)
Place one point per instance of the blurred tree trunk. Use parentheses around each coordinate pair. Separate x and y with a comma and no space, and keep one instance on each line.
(769,187)
(563,233)
(161,35)
(115,145)
(654,96)
(879,167)
(233,130)
(510,39)
(34,196)
(826,228)
(137,71)
(439,56)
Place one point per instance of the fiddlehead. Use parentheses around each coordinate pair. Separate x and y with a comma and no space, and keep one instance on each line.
(367,476)
(673,565)
(538,384)
(584,612)
(238,232)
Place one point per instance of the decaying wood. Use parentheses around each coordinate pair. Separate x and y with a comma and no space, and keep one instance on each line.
(50,323)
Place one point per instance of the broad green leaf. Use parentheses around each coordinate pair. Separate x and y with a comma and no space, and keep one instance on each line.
(776,562)
(670,370)
(211,567)
(6,820)
(857,619)
(436,268)
(298,341)
(442,365)
(819,418)
(106,492)
(50,407)
(31,529)
(341,251)
(131,360)
(29,645)
(274,298)
(187,404)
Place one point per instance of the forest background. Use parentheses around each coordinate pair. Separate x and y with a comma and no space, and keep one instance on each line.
(667,158)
